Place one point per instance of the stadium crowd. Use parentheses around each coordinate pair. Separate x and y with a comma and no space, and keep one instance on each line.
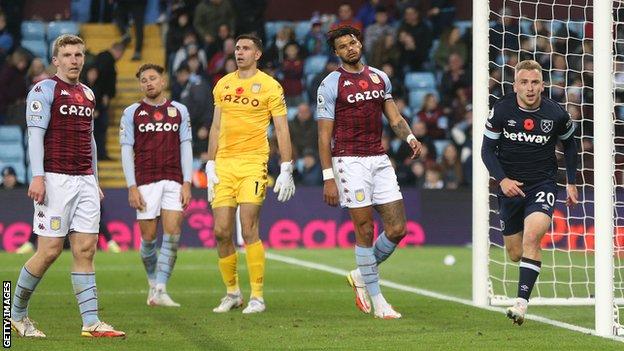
(400,37)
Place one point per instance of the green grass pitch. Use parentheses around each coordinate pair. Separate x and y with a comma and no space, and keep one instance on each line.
(306,309)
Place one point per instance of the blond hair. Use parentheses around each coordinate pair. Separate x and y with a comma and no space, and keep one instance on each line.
(64,40)
(528,65)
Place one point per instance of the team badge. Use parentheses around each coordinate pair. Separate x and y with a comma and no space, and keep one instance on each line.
(36,106)
(359,195)
(172,111)
(375,78)
(546,125)
(89,95)
(255,88)
(55,223)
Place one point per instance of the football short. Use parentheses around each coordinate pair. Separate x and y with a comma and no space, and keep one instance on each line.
(240,181)
(160,195)
(365,181)
(539,197)
(71,204)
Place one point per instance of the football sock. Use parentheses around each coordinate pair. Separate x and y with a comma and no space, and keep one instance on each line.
(86,294)
(227,267)
(365,259)
(166,259)
(26,284)
(255,265)
(149,257)
(383,248)
(529,270)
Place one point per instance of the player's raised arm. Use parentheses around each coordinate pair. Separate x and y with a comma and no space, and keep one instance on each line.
(38,107)
(570,153)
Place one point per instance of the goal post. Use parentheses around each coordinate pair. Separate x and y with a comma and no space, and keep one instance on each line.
(574,41)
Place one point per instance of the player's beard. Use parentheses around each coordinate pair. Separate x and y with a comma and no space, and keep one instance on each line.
(153,95)
(352,61)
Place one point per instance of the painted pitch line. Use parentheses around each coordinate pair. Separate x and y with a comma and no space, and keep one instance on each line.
(435,295)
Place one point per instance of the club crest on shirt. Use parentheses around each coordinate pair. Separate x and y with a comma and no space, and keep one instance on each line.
(546,125)
(55,223)
(255,88)
(359,195)
(89,94)
(375,78)
(172,111)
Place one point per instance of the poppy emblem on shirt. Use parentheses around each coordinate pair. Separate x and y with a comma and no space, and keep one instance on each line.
(375,78)
(363,84)
(528,124)
(171,111)
(158,116)
(79,98)
(239,90)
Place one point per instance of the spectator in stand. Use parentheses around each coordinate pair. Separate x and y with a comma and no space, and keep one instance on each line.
(179,25)
(431,114)
(309,171)
(303,130)
(212,45)
(398,89)
(250,16)
(345,18)
(136,9)
(292,75)
(412,57)
(9,179)
(209,14)
(505,30)
(189,47)
(385,50)
(275,52)
(451,167)
(367,12)
(216,66)
(433,178)
(314,42)
(37,72)
(106,84)
(196,94)
(454,78)
(441,13)
(419,128)
(6,38)
(414,25)
(377,30)
(450,42)
(90,75)
(14,88)
(330,66)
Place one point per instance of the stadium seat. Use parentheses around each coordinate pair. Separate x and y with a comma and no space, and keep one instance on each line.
(577,29)
(301,29)
(463,26)
(440,145)
(10,134)
(417,96)
(269,31)
(314,64)
(11,152)
(33,30)
(58,28)
(420,80)
(39,48)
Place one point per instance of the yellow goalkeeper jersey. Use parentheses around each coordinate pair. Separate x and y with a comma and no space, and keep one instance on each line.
(246,108)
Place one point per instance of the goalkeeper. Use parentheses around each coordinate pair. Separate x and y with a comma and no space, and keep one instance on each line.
(519,151)
(238,150)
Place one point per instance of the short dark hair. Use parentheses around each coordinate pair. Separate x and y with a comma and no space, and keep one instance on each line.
(147,66)
(256,40)
(341,32)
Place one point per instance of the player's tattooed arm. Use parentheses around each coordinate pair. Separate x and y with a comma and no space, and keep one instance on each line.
(400,127)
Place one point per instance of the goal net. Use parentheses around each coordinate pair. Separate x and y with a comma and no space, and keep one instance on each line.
(560,36)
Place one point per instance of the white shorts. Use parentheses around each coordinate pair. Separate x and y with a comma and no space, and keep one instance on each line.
(164,194)
(365,181)
(71,204)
